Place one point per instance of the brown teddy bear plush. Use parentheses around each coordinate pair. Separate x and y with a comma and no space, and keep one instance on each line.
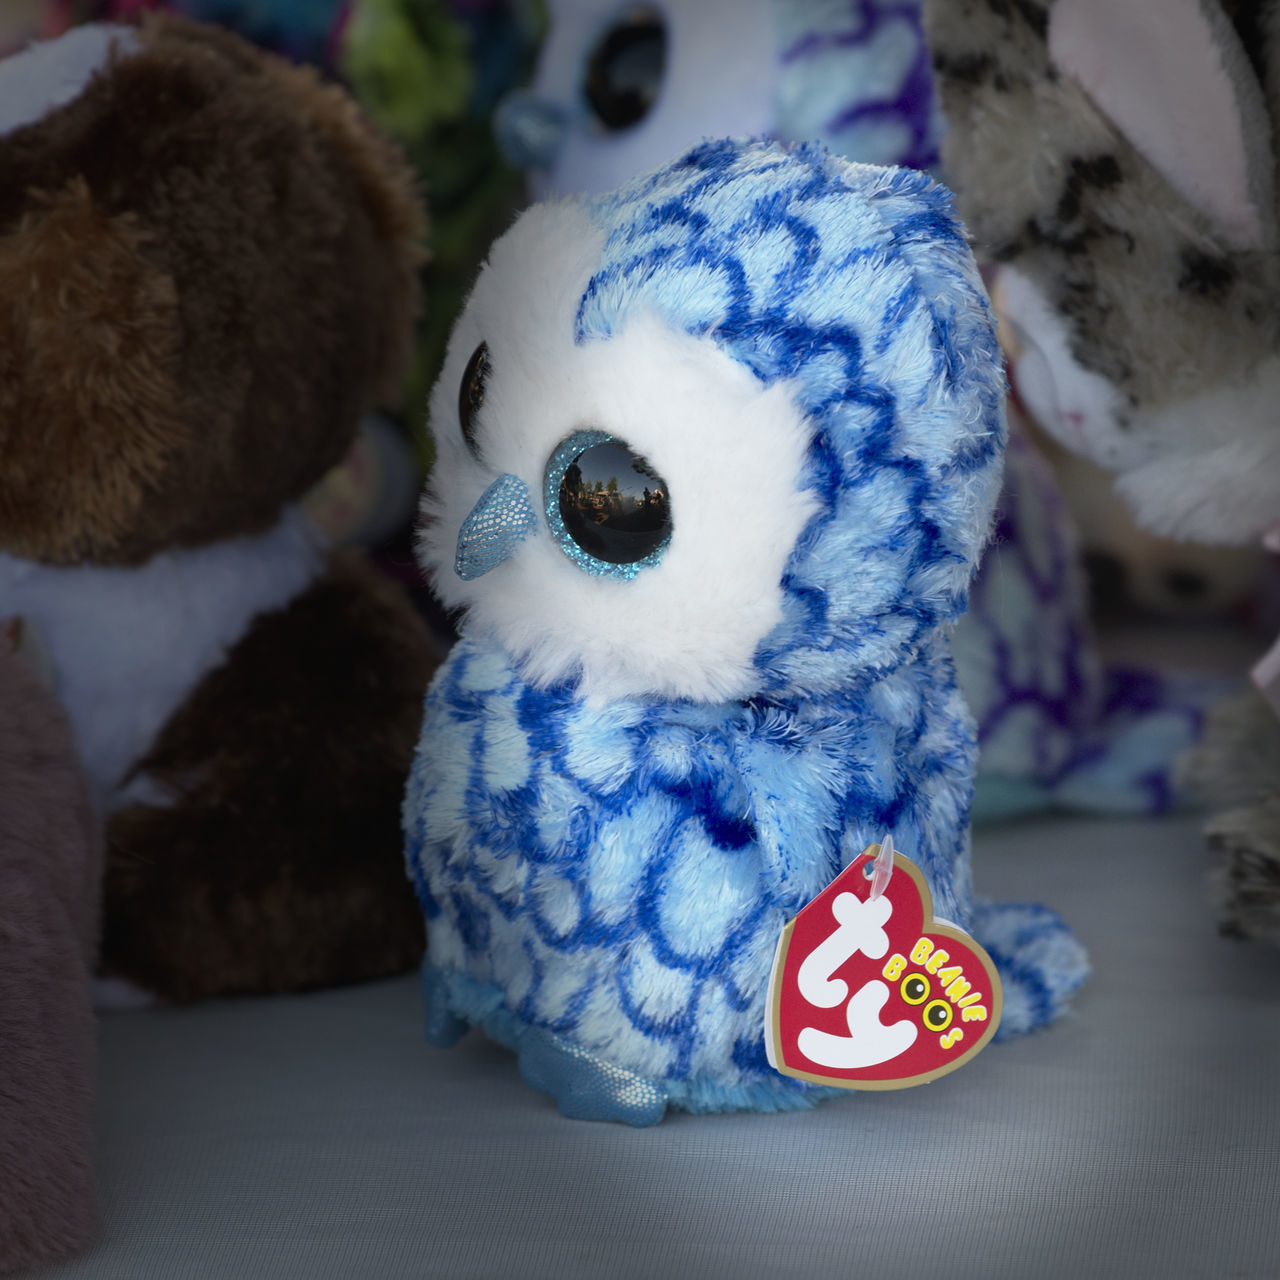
(207,267)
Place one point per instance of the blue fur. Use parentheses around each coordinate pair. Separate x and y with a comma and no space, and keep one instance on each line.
(874,314)
(614,881)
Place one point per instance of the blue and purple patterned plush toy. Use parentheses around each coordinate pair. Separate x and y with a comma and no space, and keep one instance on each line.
(619,88)
(717,455)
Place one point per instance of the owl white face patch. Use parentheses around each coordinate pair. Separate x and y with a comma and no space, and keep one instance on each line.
(724,451)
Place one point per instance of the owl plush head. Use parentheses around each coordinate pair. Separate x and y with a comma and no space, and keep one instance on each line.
(733,430)
(622,86)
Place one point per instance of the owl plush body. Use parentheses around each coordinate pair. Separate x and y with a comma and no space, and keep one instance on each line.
(688,410)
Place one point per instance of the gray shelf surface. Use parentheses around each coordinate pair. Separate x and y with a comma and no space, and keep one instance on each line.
(319,1137)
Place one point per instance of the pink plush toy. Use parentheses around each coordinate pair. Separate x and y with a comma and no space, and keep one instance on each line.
(50,863)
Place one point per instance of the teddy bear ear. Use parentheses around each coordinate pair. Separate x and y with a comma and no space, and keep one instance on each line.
(1176,81)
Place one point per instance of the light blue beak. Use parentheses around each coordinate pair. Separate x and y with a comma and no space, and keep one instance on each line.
(497,524)
(530,130)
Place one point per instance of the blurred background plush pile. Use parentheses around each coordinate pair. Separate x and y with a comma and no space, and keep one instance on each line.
(434,75)
(428,72)
(496,102)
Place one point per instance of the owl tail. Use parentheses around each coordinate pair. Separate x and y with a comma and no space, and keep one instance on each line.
(1040,962)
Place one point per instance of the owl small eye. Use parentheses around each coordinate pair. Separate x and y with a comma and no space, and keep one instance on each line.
(607,507)
(471,393)
(915,988)
(625,69)
(936,1015)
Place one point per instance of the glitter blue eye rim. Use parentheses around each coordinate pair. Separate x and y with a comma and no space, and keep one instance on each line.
(565,453)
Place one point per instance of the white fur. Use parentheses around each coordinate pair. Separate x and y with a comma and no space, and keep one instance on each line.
(1214,473)
(1073,404)
(721,64)
(51,73)
(128,645)
(1152,565)
(1205,468)
(729,450)
(1174,79)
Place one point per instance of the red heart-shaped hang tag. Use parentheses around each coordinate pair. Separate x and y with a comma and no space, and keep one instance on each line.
(871,992)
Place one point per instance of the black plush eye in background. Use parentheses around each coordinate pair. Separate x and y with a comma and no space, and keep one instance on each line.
(625,69)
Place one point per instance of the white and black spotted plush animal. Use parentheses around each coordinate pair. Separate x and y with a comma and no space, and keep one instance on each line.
(1118,158)
(717,455)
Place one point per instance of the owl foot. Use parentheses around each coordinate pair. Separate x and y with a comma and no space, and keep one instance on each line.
(443,1028)
(1039,960)
(586,1087)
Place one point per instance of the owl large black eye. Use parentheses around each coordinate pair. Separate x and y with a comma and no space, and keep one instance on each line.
(471,393)
(609,510)
(625,69)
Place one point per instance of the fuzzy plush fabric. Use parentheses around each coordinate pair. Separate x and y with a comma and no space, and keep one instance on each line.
(307,225)
(208,273)
(128,644)
(1246,880)
(50,857)
(51,75)
(1057,726)
(1236,772)
(1149,326)
(1142,280)
(1130,567)
(605,877)
(692,630)
(260,852)
(855,76)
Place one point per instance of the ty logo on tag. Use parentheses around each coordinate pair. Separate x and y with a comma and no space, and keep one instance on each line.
(873,992)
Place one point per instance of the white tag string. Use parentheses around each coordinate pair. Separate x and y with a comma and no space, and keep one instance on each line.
(882,868)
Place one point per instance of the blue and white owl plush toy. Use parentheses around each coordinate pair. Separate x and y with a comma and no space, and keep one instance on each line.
(622,86)
(717,455)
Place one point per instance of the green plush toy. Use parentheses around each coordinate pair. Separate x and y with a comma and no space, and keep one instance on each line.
(430,74)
